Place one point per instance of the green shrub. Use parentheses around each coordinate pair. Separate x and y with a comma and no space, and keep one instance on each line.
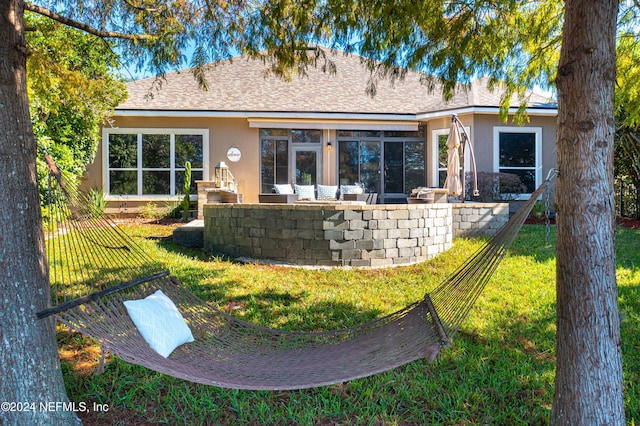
(174,209)
(97,202)
(151,211)
(186,190)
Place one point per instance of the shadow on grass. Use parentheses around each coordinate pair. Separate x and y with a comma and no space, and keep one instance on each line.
(290,312)
(628,276)
(499,370)
(532,241)
(502,376)
(629,297)
(167,244)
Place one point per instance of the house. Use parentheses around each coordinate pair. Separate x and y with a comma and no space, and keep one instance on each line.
(320,128)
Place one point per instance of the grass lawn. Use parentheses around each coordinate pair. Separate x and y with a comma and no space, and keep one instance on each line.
(499,370)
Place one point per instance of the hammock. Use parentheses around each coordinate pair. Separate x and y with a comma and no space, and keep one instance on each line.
(95,268)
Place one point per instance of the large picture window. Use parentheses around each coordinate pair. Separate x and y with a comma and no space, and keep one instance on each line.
(518,151)
(150,162)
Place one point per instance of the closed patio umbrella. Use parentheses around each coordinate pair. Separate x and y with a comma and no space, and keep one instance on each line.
(453,184)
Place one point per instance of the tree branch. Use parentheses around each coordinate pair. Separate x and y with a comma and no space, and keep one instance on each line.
(82,26)
(140,8)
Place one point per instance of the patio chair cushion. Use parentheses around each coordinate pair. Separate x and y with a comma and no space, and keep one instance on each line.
(306,192)
(349,189)
(159,322)
(283,188)
(327,192)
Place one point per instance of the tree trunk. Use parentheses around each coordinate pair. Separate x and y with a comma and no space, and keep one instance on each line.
(588,384)
(31,387)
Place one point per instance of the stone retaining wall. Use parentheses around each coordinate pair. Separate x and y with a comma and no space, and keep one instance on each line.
(344,235)
(478,219)
(335,235)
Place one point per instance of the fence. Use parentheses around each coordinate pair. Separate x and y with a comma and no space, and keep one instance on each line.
(627,200)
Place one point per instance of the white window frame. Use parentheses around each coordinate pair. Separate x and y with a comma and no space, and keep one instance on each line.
(172,132)
(435,154)
(316,147)
(538,148)
(292,148)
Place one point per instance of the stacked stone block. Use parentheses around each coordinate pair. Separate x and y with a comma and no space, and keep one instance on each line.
(478,219)
(345,235)
(333,235)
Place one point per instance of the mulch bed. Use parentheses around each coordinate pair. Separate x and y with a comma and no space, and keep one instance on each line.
(627,222)
(539,221)
(147,221)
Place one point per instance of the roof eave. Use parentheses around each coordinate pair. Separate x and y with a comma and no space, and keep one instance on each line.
(550,111)
(533,111)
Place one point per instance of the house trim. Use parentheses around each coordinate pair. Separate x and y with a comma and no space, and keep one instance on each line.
(292,123)
(541,112)
(336,117)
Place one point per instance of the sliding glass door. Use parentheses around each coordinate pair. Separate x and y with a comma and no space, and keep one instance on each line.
(404,169)
(388,163)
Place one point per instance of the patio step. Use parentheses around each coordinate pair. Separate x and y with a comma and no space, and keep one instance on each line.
(190,234)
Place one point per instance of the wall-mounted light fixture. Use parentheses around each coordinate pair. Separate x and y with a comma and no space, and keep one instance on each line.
(329,146)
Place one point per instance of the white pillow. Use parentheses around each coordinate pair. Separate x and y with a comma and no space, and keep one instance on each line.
(159,322)
(305,192)
(326,192)
(283,188)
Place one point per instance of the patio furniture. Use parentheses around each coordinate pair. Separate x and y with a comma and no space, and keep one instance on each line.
(368,198)
(278,198)
(305,192)
(440,195)
(327,192)
(208,193)
(421,196)
(283,188)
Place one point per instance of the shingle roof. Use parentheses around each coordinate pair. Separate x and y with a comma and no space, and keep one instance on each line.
(239,85)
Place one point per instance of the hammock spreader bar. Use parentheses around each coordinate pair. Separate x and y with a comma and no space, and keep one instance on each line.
(97,295)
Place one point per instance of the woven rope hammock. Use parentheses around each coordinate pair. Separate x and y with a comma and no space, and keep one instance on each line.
(95,267)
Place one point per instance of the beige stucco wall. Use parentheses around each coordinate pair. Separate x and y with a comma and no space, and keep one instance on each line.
(227,132)
(481,127)
(223,133)
(483,139)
